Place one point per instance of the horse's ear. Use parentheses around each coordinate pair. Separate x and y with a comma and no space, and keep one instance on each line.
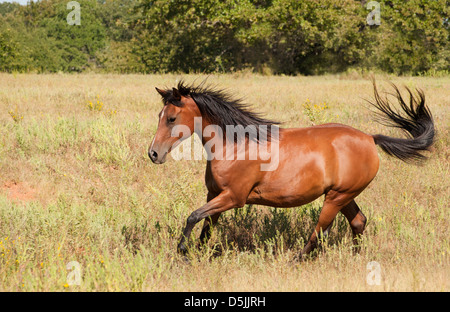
(176,94)
(161,92)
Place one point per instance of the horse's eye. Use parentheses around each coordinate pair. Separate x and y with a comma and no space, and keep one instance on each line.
(171,119)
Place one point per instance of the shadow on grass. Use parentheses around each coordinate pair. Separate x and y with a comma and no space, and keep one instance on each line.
(251,229)
(275,229)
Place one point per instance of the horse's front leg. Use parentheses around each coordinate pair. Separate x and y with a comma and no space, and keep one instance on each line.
(214,207)
(209,222)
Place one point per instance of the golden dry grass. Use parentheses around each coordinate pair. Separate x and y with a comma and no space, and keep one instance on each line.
(86,191)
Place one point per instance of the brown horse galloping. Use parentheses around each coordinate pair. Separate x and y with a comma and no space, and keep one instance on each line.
(332,159)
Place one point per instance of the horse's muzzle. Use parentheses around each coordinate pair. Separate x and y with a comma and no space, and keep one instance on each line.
(156,159)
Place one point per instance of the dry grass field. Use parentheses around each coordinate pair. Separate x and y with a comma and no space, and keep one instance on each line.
(76,184)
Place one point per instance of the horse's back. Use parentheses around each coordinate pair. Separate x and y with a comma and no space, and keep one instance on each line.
(349,156)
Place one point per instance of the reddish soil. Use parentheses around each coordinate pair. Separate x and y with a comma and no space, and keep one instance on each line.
(20,191)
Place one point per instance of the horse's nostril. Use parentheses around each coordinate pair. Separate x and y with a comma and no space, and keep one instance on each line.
(153,155)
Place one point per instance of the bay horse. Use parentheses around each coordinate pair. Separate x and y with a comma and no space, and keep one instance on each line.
(333,159)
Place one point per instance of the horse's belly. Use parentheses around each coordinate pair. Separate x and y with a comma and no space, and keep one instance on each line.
(281,201)
(299,179)
(285,195)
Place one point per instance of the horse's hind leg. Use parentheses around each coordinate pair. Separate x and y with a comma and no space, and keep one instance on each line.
(209,222)
(207,227)
(334,202)
(326,217)
(357,221)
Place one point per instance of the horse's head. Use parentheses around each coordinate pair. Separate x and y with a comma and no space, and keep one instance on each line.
(176,123)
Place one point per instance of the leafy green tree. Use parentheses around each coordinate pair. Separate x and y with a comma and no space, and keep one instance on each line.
(119,18)
(413,37)
(8,52)
(289,36)
(14,54)
(7,7)
(51,43)
(313,37)
(188,36)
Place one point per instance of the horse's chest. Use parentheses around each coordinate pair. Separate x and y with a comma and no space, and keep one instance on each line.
(213,180)
(226,175)
(212,186)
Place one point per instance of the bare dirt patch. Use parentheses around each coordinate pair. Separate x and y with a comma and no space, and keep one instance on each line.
(19,191)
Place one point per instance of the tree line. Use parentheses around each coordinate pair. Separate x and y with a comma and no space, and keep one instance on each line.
(266,36)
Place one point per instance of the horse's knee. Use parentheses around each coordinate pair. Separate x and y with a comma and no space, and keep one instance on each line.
(193,218)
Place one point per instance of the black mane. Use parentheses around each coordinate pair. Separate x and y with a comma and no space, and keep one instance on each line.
(220,108)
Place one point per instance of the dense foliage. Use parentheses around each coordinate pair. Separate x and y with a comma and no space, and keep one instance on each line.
(275,36)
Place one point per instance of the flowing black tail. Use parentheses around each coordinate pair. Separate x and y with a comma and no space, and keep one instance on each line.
(416,120)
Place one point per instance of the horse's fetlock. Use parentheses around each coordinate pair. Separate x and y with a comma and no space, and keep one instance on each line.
(182,248)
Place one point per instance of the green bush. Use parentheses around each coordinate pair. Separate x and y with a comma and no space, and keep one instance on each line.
(266,36)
